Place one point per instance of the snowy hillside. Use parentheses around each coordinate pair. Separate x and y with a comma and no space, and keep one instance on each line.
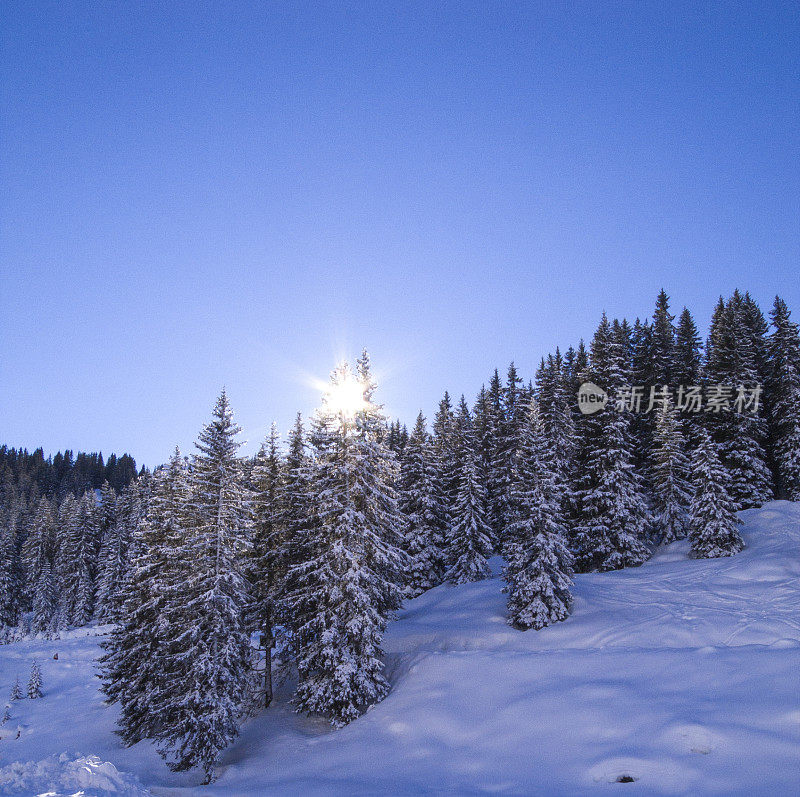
(682,675)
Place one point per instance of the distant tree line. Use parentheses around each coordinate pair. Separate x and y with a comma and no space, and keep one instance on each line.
(310,547)
(26,476)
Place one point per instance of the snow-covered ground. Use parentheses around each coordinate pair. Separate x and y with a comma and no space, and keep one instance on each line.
(683,675)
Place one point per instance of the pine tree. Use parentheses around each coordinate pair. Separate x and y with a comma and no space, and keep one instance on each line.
(10,582)
(611,523)
(34,682)
(756,329)
(382,509)
(136,670)
(485,432)
(77,558)
(732,360)
(512,415)
(491,446)
(106,509)
(37,557)
(45,602)
(445,445)
(469,543)
(642,346)
(783,386)
(671,476)
(267,570)
(555,398)
(663,344)
(641,424)
(713,526)
(688,347)
(539,566)
(688,372)
(209,655)
(346,589)
(297,520)
(16,690)
(108,545)
(622,334)
(113,559)
(423,508)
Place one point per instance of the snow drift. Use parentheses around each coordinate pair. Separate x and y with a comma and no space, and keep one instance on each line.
(61,775)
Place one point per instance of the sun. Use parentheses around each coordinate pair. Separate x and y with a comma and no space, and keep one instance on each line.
(345,395)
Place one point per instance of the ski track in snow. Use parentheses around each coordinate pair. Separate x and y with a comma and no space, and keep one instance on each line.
(683,675)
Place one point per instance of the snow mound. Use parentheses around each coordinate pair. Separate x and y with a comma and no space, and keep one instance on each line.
(60,775)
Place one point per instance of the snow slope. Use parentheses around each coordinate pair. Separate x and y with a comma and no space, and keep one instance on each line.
(683,675)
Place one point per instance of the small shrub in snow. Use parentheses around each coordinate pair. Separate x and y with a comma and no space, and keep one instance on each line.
(35,682)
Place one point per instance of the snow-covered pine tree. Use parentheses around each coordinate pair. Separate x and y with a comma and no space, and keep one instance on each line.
(10,581)
(688,346)
(539,565)
(16,690)
(611,522)
(783,390)
(671,475)
(623,337)
(642,349)
(756,329)
(107,542)
(267,565)
(688,372)
(641,373)
(732,359)
(662,344)
(576,364)
(343,593)
(297,520)
(106,509)
(485,431)
(469,539)
(37,559)
(444,446)
(464,436)
(113,559)
(713,524)
(492,454)
(45,603)
(383,511)
(512,415)
(35,682)
(653,363)
(78,532)
(135,668)
(555,400)
(65,518)
(38,546)
(423,508)
(209,657)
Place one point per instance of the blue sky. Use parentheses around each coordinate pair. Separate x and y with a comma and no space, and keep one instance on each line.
(203,194)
